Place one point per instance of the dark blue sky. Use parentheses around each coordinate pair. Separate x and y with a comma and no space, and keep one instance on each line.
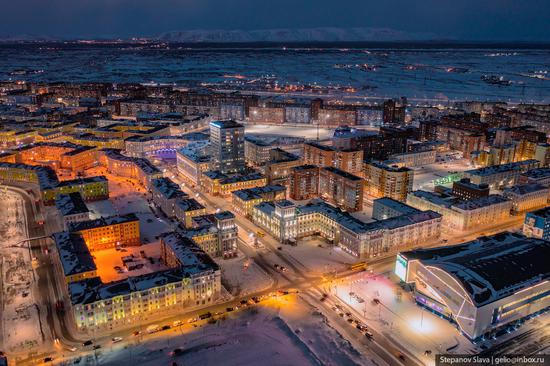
(456,19)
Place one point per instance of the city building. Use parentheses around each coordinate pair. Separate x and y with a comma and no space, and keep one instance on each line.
(379,146)
(108,232)
(394,111)
(244,200)
(57,155)
(120,165)
(347,160)
(500,176)
(256,151)
(527,197)
(482,285)
(341,189)
(278,168)
(71,208)
(466,190)
(414,159)
(383,180)
(304,182)
(215,234)
(165,193)
(227,146)
(386,208)
(542,154)
(49,186)
(163,147)
(288,222)
(539,175)
(186,209)
(537,224)
(192,280)
(217,183)
(192,162)
(76,262)
(463,215)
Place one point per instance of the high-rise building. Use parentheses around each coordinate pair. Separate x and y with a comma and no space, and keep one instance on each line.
(388,181)
(227,146)
(341,188)
(304,182)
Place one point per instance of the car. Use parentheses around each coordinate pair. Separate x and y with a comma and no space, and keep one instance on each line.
(137,332)
(48,359)
(176,352)
(276,266)
(116,339)
(348,314)
(350,320)
(229,309)
(401,356)
(376,301)
(205,316)
(72,349)
(177,323)
(192,320)
(369,335)
(153,328)
(279,248)
(89,342)
(284,269)
(341,314)
(165,327)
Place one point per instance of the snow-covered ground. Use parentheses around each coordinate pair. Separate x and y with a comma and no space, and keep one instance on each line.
(318,256)
(424,176)
(398,317)
(107,259)
(127,196)
(21,330)
(241,276)
(281,331)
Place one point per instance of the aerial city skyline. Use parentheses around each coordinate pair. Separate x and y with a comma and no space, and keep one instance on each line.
(278,183)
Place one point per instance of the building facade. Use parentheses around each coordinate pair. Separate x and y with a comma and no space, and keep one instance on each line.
(483,285)
(388,181)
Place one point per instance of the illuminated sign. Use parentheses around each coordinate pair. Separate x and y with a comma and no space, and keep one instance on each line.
(401,268)
(447,180)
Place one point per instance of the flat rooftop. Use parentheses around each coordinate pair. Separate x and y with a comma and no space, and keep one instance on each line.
(226,124)
(491,267)
(71,204)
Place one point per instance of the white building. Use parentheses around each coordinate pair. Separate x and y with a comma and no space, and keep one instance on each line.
(527,196)
(297,114)
(288,222)
(504,175)
(192,161)
(483,285)
(463,215)
(414,159)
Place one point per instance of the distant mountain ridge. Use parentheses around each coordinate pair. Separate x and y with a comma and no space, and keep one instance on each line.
(322,34)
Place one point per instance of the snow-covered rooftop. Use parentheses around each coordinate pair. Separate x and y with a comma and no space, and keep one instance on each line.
(491,267)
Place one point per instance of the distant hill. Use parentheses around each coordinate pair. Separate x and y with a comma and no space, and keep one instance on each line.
(325,34)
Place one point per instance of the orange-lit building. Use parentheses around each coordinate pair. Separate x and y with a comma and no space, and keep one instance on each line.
(109,232)
(58,155)
(216,183)
(341,188)
(304,182)
(348,160)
